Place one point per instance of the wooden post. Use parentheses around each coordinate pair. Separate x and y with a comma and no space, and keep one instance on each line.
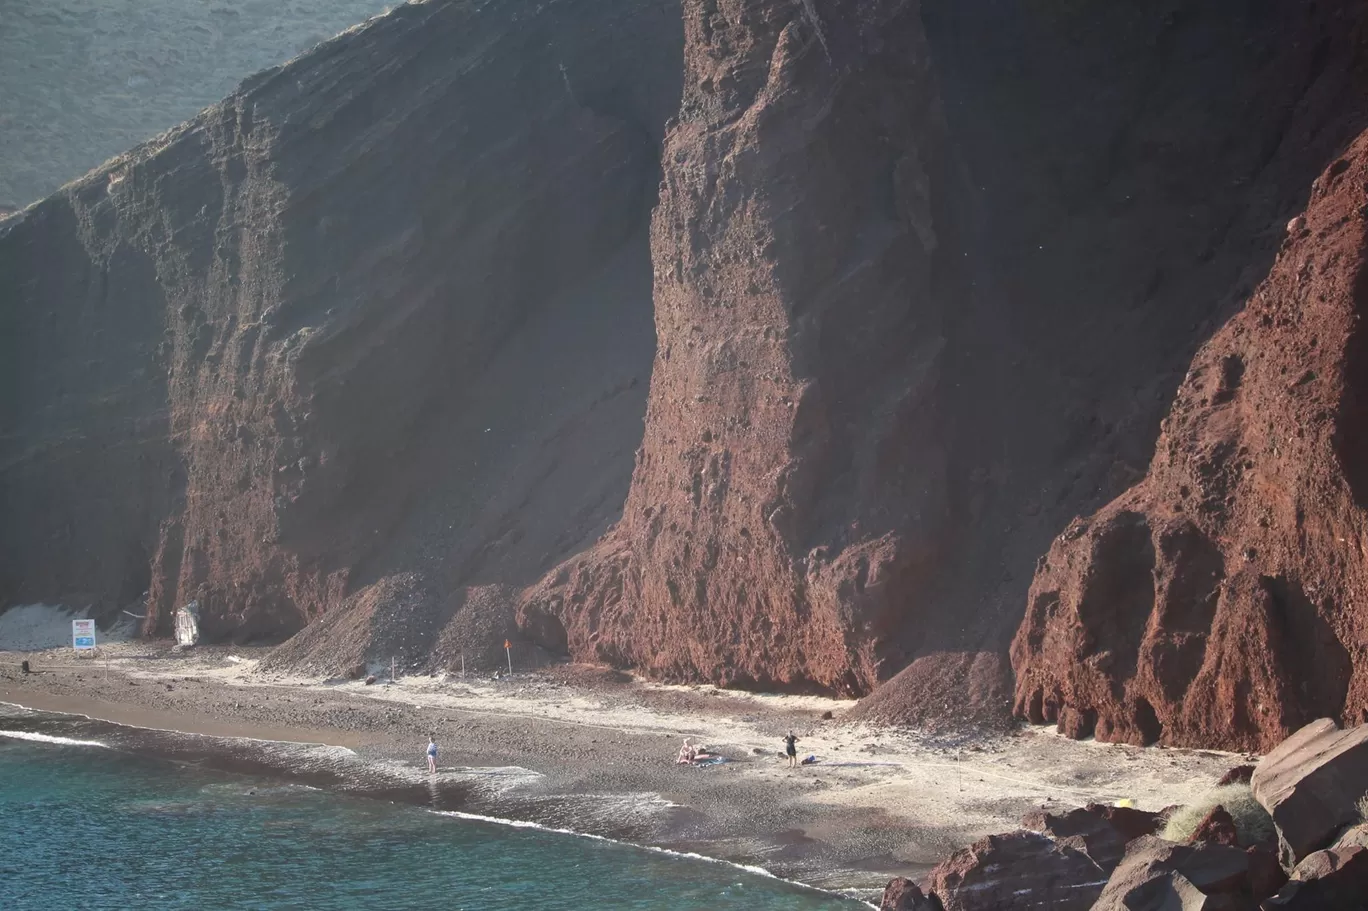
(462,665)
(391,668)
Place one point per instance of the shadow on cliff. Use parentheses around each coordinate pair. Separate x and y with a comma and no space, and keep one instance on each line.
(380,318)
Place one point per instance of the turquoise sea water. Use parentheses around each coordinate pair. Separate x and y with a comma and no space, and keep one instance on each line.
(88,827)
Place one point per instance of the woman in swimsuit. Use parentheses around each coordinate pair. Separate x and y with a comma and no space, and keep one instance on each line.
(432,754)
(791,750)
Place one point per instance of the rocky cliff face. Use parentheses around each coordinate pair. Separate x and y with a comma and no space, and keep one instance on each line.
(1218,601)
(384,309)
(1130,172)
(1095,215)
(375,331)
(788,500)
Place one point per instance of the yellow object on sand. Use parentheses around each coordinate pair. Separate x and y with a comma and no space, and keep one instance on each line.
(1126,802)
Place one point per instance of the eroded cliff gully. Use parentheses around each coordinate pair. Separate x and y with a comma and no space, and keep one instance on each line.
(376,332)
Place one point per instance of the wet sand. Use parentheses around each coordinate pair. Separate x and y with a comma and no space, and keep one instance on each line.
(581,752)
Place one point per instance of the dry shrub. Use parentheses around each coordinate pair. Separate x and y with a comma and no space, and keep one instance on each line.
(1252,822)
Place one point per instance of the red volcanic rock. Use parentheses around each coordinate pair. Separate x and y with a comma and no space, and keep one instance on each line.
(1216,828)
(1311,785)
(1330,880)
(1238,775)
(789,501)
(903,895)
(1014,872)
(1266,873)
(1215,603)
(1157,875)
(362,324)
(1099,831)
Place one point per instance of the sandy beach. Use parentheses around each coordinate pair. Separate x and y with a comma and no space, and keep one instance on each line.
(593,751)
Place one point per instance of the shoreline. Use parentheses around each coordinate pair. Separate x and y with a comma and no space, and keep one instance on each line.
(269,773)
(597,756)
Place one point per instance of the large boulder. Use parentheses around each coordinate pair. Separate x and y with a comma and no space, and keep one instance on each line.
(1266,875)
(1357,835)
(1017,871)
(1101,832)
(1330,880)
(1158,875)
(1311,784)
(903,895)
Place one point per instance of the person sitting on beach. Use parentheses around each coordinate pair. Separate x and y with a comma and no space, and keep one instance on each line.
(432,753)
(791,750)
(687,753)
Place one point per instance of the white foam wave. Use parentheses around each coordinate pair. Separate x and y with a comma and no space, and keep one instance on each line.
(688,855)
(49,738)
(491,779)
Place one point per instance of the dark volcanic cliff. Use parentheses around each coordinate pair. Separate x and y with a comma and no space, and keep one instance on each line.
(375,333)
(386,308)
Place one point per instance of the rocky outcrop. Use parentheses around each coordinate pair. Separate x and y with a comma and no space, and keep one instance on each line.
(1160,876)
(1311,785)
(903,895)
(1217,601)
(1216,828)
(1099,831)
(788,506)
(797,519)
(377,322)
(1016,872)
(1330,880)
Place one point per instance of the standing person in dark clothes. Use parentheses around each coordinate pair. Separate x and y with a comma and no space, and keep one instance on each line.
(791,750)
(432,753)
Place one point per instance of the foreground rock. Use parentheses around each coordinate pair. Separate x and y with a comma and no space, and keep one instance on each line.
(1014,872)
(1331,880)
(1157,875)
(1100,832)
(1217,828)
(904,895)
(1215,603)
(1311,785)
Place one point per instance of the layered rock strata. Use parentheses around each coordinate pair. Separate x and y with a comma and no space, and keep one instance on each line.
(384,310)
(788,504)
(374,331)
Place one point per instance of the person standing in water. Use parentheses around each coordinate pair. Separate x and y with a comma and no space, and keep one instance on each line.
(791,750)
(432,753)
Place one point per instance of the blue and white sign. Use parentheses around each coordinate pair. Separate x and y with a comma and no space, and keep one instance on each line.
(82,634)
